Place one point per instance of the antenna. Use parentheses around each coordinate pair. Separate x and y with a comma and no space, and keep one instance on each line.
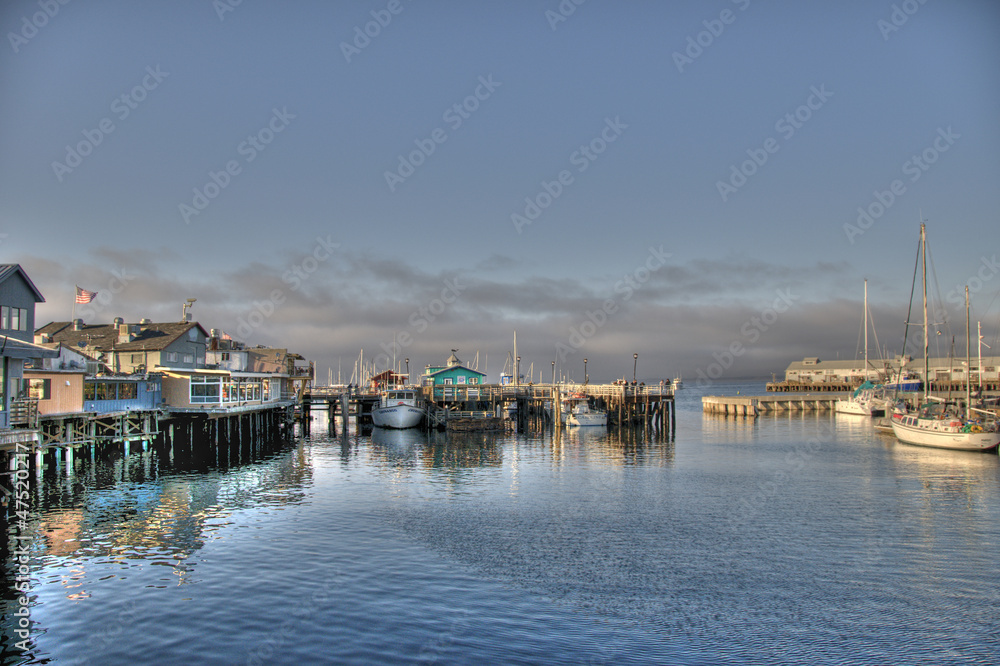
(185,307)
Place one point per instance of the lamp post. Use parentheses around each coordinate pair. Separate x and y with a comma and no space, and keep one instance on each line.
(407,371)
(553,372)
(584,371)
(517,372)
(635,361)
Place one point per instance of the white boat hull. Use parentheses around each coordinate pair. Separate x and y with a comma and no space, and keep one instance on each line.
(858,408)
(397,416)
(941,434)
(587,419)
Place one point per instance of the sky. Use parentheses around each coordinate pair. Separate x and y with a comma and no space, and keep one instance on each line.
(704,184)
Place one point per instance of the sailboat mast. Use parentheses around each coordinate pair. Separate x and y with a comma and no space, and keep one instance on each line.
(923,262)
(968,356)
(979,333)
(866,330)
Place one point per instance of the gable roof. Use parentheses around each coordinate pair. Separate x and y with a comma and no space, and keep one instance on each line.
(104,337)
(454,367)
(9,270)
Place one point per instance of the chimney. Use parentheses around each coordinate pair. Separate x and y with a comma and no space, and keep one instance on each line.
(118,321)
(77,324)
(145,322)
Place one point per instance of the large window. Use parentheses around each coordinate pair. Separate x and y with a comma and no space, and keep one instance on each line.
(110,390)
(4,317)
(206,390)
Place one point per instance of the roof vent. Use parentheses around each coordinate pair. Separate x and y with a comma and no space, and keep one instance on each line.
(77,324)
(119,321)
(145,322)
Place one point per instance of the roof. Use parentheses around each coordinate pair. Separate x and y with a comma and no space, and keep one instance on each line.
(104,337)
(14,348)
(9,270)
(454,367)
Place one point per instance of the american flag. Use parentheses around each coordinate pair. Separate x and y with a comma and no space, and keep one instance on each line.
(84,296)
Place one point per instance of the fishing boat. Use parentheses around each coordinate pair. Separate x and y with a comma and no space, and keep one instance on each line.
(941,424)
(399,409)
(575,410)
(678,382)
(868,399)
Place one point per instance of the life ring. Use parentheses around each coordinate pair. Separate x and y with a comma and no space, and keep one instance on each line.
(400,403)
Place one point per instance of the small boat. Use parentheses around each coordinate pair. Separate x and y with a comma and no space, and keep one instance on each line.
(678,382)
(868,400)
(398,408)
(576,411)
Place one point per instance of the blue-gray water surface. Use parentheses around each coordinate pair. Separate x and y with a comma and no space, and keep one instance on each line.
(797,539)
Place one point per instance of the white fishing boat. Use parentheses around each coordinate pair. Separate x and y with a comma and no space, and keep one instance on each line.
(678,382)
(868,400)
(575,410)
(940,425)
(398,408)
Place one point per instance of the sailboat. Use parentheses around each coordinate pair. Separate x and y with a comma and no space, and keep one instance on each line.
(868,399)
(938,424)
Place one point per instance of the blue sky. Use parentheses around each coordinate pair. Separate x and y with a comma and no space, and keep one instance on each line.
(642,108)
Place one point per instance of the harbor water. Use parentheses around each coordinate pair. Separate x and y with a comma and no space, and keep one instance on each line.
(792,539)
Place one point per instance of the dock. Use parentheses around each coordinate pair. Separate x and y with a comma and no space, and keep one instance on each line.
(745,405)
(627,405)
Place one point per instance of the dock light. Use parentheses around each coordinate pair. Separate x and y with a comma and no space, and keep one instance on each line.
(635,361)
(517,372)
(584,371)
(553,372)
(407,369)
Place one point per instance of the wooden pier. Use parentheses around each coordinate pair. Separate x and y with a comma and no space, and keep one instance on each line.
(530,404)
(745,405)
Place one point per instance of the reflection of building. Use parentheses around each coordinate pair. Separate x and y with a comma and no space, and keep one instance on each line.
(454,372)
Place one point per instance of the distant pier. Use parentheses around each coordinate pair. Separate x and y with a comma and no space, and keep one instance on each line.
(740,405)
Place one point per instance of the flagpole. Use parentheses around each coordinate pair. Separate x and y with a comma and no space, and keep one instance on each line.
(73,317)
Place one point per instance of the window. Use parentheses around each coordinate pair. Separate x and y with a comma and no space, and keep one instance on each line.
(106,391)
(447,381)
(189,358)
(24,320)
(89,390)
(225,356)
(4,316)
(128,391)
(206,389)
(40,389)
(136,359)
(15,319)
(473,380)
(171,357)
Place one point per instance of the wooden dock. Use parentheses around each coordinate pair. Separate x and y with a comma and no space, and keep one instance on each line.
(745,405)
(627,405)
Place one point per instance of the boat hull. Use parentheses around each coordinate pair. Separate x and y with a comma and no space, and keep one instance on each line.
(588,419)
(857,408)
(398,417)
(932,433)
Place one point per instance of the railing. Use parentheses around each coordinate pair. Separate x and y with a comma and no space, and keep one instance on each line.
(24,412)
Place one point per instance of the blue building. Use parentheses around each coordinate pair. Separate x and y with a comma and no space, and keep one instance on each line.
(453,373)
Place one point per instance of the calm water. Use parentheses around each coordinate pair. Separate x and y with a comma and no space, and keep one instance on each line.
(798,539)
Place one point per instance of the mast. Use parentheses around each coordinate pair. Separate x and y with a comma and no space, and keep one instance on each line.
(979,332)
(927,363)
(968,356)
(866,329)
